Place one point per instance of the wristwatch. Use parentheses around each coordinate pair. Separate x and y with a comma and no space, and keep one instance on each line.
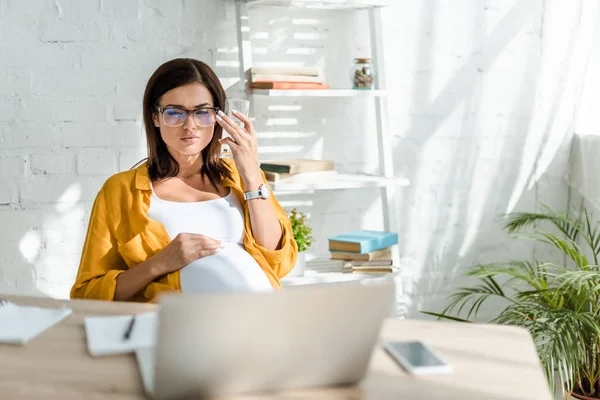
(263,192)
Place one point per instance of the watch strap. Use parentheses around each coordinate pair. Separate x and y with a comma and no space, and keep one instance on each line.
(255,194)
(263,192)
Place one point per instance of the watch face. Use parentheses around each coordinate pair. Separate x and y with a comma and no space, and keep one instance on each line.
(265,192)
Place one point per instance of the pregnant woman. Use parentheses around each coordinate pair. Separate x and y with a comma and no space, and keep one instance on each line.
(185,219)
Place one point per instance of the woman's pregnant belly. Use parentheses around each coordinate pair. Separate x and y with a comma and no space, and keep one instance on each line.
(230,270)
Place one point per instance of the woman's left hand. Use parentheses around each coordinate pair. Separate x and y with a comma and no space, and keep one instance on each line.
(243,144)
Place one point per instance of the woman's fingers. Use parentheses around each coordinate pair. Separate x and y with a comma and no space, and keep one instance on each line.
(247,122)
(206,253)
(236,132)
(228,141)
(205,241)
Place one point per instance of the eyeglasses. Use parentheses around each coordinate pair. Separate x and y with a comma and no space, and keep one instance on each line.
(175,117)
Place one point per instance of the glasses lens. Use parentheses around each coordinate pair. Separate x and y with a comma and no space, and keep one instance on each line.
(174,117)
(205,117)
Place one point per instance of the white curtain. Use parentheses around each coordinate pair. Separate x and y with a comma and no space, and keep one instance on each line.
(485,103)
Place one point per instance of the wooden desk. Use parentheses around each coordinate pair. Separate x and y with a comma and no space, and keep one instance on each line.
(491,362)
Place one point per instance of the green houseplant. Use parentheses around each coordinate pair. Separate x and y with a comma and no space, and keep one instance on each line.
(303,236)
(301,231)
(558,303)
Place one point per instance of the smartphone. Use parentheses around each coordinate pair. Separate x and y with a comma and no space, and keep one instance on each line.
(416,358)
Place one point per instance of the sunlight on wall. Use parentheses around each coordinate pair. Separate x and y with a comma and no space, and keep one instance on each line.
(570,91)
(434,167)
(372,217)
(316,150)
(279,149)
(285,135)
(282,107)
(259,35)
(30,245)
(225,63)
(300,51)
(54,248)
(289,204)
(68,199)
(282,121)
(309,36)
(305,21)
(587,119)
(553,121)
(585,167)
(483,173)
(259,50)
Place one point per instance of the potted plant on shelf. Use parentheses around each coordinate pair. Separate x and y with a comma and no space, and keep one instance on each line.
(558,303)
(303,237)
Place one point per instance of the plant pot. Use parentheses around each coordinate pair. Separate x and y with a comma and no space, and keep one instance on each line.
(574,396)
(298,269)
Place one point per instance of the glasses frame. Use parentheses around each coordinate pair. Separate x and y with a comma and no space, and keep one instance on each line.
(188,113)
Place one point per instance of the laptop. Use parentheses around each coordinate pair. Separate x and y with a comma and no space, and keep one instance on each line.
(226,344)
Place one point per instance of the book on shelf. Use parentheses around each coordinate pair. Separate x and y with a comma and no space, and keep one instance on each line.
(363,241)
(271,78)
(297,166)
(294,71)
(349,267)
(289,86)
(382,262)
(303,177)
(373,270)
(371,255)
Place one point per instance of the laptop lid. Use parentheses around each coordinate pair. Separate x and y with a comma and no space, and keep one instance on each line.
(217,344)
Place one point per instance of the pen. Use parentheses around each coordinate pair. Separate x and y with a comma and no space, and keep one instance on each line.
(129,328)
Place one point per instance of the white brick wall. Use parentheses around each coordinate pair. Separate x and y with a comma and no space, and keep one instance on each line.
(72,75)
(468,93)
(95,161)
(12,166)
(50,163)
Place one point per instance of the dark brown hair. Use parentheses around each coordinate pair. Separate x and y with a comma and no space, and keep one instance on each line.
(170,75)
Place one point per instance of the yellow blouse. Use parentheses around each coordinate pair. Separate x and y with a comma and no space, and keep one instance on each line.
(120,236)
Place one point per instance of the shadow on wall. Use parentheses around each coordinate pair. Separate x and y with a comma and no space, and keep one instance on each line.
(44,261)
(508,165)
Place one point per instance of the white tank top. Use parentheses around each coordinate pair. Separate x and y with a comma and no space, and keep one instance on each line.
(232,268)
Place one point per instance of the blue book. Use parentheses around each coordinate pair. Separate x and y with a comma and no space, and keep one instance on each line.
(362,241)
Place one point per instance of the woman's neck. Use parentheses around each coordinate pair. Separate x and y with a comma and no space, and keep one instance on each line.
(188,165)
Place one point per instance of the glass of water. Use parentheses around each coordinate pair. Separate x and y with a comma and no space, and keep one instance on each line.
(243,107)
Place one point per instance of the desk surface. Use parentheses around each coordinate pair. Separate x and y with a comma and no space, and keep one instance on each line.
(490,362)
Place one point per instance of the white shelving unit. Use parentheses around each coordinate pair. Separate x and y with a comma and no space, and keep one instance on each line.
(321,4)
(386,181)
(340,181)
(320,93)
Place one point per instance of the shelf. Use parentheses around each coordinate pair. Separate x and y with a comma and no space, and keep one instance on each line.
(334,277)
(321,4)
(372,10)
(340,181)
(320,93)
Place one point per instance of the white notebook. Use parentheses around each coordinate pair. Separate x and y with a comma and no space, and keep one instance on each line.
(19,324)
(106,335)
(145,359)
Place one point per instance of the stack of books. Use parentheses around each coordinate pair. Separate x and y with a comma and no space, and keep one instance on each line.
(297,170)
(287,78)
(364,250)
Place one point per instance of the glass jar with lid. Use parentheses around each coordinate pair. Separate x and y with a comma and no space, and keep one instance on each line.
(362,74)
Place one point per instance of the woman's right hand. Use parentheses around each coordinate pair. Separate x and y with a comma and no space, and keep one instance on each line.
(185,248)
